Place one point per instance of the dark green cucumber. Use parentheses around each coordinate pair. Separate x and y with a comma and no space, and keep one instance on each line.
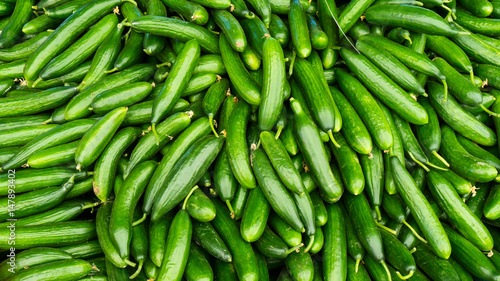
(158,232)
(255,216)
(12,31)
(367,108)
(200,207)
(107,164)
(459,119)
(85,250)
(491,210)
(299,30)
(78,107)
(12,69)
(231,28)
(335,249)
(189,10)
(176,82)
(120,225)
(177,247)
(205,235)
(314,154)
(22,135)
(289,235)
(241,79)
(413,18)
(475,47)
(97,137)
(319,39)
(391,66)
(398,256)
(452,53)
(32,257)
(40,24)
(373,169)
(420,208)
(183,142)
(192,165)
(197,267)
(479,8)
(385,89)
(25,49)
(243,256)
(435,267)
(124,95)
(64,270)
(140,114)
(479,152)
(53,156)
(150,144)
(52,235)
(214,98)
(349,166)
(153,44)
(463,250)
(463,162)
(300,265)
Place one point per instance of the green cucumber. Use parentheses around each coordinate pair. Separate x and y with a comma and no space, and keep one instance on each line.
(200,207)
(25,49)
(20,16)
(64,270)
(124,95)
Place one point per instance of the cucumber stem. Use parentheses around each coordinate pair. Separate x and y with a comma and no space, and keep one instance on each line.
(418,162)
(330,134)
(187,197)
(278,132)
(292,62)
(211,121)
(90,205)
(413,250)
(48,121)
(414,232)
(139,221)
(36,82)
(472,76)
(111,70)
(249,15)
(392,231)
(440,158)
(153,128)
(436,167)
(310,244)
(386,270)
(494,114)
(131,263)
(405,277)
(230,207)
(294,249)
(358,260)
(445,84)
(418,3)
(406,37)
(164,64)
(377,210)
(139,268)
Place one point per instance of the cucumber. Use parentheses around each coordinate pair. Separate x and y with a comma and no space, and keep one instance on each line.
(158,232)
(124,95)
(334,249)
(255,216)
(435,267)
(491,210)
(200,207)
(12,30)
(349,166)
(64,270)
(197,267)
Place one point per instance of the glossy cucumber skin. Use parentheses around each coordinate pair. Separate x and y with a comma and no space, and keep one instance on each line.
(465,221)
(124,95)
(237,148)
(452,53)
(479,8)
(153,44)
(107,164)
(373,169)
(103,59)
(59,135)
(458,119)
(64,270)
(176,81)
(391,66)
(60,39)
(97,138)
(104,237)
(22,135)
(469,166)
(53,235)
(176,28)
(334,249)
(206,236)
(421,210)
(140,113)
(25,49)
(410,143)
(189,10)
(78,107)
(482,268)
(242,81)
(53,156)
(231,28)
(364,225)
(200,207)
(48,99)
(255,216)
(314,154)
(282,162)
(368,109)
(349,166)
(435,267)
(197,266)
(276,194)
(12,31)
(81,49)
(476,48)
(243,255)
(384,88)
(192,166)
(274,82)
(409,17)
(299,30)
(189,136)
(491,210)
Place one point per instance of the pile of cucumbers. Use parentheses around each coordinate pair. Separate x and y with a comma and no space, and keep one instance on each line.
(200,140)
